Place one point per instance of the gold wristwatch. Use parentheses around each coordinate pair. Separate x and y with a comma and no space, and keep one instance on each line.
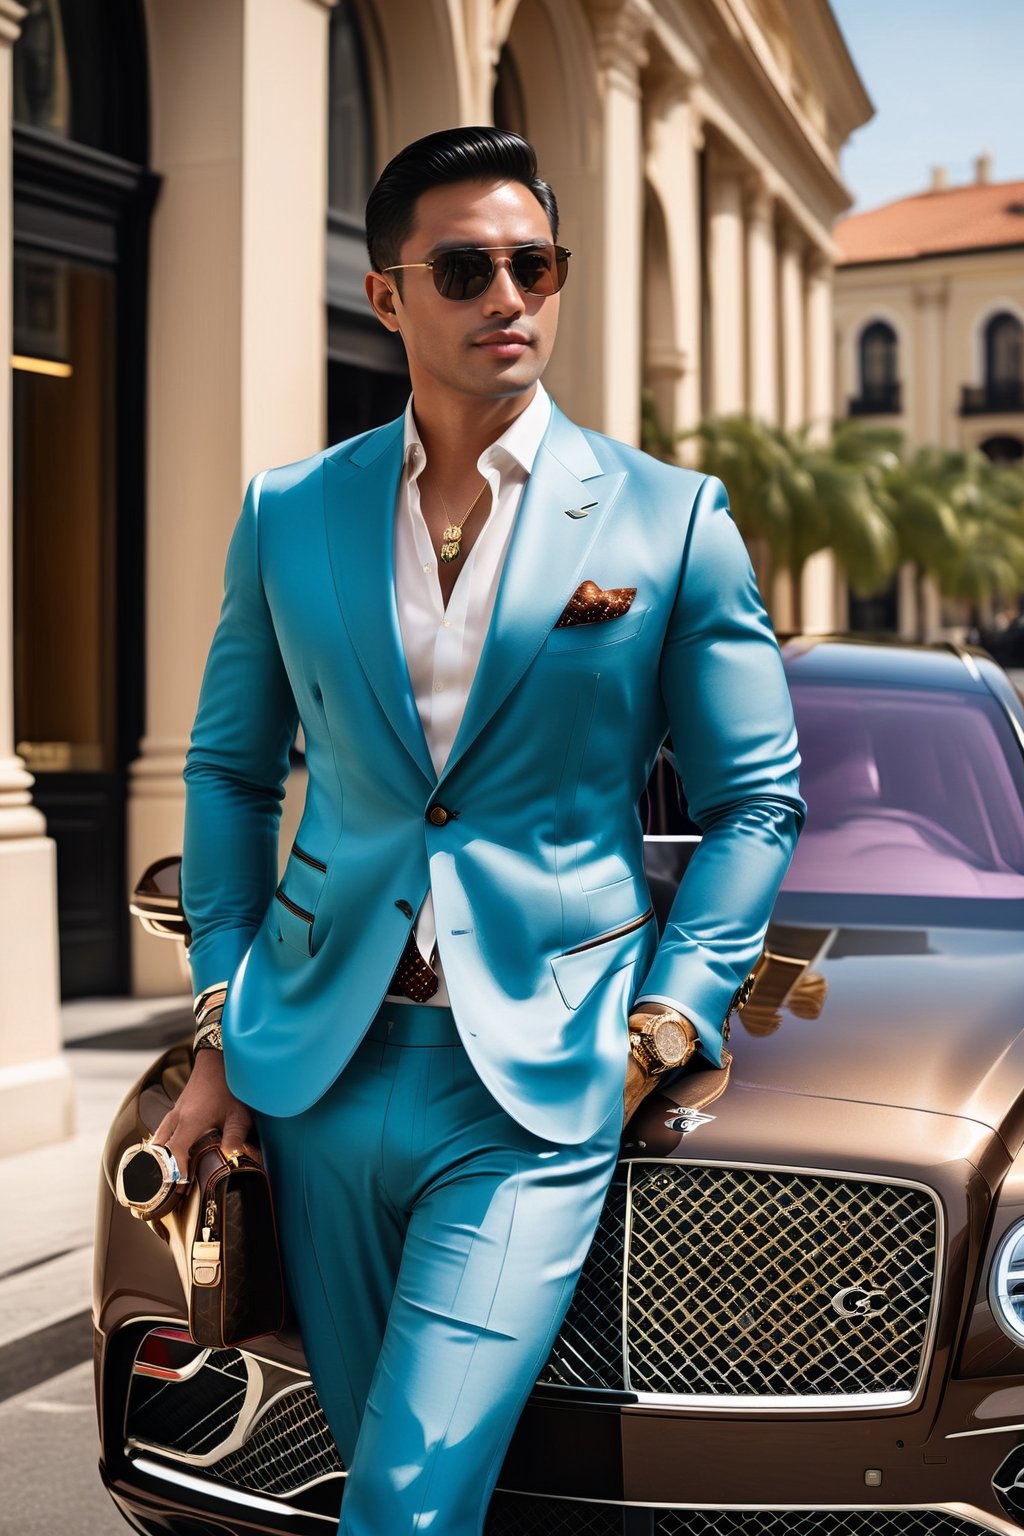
(663,1041)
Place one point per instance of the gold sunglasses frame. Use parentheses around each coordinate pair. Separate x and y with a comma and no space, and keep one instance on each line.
(406,266)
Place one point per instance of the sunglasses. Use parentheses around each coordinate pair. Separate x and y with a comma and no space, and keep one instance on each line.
(468,272)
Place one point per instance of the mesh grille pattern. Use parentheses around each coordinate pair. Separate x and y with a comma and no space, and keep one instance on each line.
(588,1350)
(191,1416)
(732,1275)
(289,1447)
(815,1522)
(512,1516)
(732,1281)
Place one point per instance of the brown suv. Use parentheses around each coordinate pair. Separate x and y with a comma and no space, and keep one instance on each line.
(803,1312)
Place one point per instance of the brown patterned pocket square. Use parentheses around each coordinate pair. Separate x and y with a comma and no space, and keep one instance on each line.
(590,604)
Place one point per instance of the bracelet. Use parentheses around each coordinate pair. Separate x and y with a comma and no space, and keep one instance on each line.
(208,1007)
(210,1014)
(210,997)
(208,1038)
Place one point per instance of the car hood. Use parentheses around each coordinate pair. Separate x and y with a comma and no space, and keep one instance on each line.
(921,1018)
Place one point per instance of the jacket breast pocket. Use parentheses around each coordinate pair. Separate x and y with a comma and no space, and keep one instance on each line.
(573,637)
(293,910)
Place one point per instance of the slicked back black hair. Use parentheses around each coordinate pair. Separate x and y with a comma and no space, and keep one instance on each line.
(452,155)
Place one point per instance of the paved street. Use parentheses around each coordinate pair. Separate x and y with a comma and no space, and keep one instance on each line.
(47,1199)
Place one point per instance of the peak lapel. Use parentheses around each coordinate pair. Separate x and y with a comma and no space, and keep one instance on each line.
(544,565)
(359,500)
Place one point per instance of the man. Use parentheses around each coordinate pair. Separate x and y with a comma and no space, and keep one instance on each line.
(486,620)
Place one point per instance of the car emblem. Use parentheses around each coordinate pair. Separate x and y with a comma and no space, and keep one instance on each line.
(686,1121)
(855,1301)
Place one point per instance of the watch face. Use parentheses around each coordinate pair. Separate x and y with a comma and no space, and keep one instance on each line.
(670,1040)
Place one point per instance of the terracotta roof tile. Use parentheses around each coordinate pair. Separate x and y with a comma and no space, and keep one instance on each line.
(957,219)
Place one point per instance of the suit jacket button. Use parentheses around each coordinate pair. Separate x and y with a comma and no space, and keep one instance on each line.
(437,815)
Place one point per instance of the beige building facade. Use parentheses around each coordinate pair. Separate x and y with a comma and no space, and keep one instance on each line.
(929,317)
(694,150)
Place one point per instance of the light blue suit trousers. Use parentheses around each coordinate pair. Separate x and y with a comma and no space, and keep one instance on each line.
(432,1245)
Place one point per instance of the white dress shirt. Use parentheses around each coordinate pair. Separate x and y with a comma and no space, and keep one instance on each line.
(443,645)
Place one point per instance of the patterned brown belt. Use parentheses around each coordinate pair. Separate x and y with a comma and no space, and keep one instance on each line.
(413,977)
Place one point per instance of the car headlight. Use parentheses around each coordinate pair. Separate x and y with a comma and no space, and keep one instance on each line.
(1006,1284)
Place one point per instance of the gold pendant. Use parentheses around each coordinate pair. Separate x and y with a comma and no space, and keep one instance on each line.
(451,543)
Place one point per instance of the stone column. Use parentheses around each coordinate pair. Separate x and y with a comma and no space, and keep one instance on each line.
(762,332)
(790,377)
(820,348)
(791,325)
(619,28)
(672,343)
(930,300)
(819,579)
(36,1092)
(237,344)
(726,283)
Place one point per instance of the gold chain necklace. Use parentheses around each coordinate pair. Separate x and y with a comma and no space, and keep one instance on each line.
(451,539)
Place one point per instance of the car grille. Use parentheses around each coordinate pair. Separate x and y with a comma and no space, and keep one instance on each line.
(752,1283)
(288,1448)
(1008,1484)
(190,1417)
(510,1515)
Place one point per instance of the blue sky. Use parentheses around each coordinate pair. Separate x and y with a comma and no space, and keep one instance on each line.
(947,80)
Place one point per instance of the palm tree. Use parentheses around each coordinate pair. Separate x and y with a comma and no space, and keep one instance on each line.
(953,514)
(801,497)
(960,519)
(989,503)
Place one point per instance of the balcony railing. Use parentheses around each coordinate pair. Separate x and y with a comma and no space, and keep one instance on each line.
(992,399)
(879,400)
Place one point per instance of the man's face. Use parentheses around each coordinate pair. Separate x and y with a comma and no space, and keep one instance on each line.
(488,347)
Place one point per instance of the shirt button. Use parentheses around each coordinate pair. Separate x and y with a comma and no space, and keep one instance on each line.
(428,568)
(439,687)
(446,623)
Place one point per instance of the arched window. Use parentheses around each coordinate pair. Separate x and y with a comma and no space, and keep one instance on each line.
(79,73)
(367,381)
(350,155)
(1004,362)
(879,372)
(509,97)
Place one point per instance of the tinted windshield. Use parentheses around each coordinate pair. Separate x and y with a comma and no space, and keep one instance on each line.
(908,794)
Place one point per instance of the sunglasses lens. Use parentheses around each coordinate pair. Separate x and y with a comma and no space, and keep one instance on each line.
(466,274)
(462,274)
(541,269)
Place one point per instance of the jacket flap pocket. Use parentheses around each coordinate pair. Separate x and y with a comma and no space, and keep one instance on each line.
(579,971)
(296,899)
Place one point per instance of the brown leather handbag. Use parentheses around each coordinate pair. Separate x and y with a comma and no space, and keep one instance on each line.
(223,1237)
(220,1230)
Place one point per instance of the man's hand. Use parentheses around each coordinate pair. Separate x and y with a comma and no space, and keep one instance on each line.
(205,1104)
(638,1083)
(638,1086)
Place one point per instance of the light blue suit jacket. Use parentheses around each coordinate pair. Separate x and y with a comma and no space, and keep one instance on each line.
(543,912)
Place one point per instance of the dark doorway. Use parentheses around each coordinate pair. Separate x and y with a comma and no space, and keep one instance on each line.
(1004,449)
(878,614)
(367,381)
(81,213)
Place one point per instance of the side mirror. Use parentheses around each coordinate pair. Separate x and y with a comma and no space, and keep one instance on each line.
(156,901)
